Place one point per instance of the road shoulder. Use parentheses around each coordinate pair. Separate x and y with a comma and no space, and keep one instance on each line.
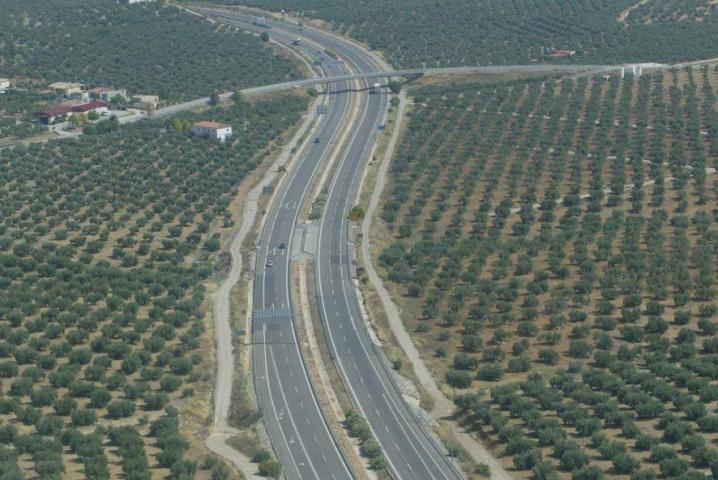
(221,431)
(442,407)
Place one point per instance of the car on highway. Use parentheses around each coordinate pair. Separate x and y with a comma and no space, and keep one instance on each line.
(317,140)
(270,263)
(282,246)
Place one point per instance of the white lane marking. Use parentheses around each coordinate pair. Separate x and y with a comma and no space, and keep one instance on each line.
(343,286)
(291,417)
(271,400)
(291,234)
(321,295)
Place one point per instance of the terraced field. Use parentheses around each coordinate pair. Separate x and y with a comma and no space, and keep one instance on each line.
(105,244)
(553,246)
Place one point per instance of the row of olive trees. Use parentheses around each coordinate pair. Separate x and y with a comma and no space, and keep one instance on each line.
(145,48)
(422,32)
(104,245)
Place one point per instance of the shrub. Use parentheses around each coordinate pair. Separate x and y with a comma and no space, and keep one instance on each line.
(545,471)
(573,459)
(587,473)
(490,372)
(673,467)
(83,417)
(624,463)
(270,468)
(261,456)
(170,383)
(548,356)
(458,378)
(120,408)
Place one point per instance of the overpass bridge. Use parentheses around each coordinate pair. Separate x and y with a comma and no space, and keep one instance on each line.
(539,69)
(544,69)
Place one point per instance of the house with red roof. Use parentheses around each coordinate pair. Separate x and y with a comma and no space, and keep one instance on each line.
(62,110)
(98,106)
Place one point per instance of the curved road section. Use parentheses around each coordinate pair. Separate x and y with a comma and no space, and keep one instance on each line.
(292,416)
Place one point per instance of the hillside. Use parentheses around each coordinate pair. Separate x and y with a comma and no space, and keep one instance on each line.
(460,32)
(105,245)
(553,247)
(144,48)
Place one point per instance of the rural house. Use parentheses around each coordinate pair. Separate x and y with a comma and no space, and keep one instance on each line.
(52,114)
(67,88)
(148,102)
(98,106)
(106,94)
(62,110)
(215,130)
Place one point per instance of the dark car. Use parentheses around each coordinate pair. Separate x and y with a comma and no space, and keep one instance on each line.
(316,140)
(282,246)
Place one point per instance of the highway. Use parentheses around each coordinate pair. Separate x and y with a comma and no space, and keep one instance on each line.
(298,431)
(299,435)
(292,417)
(410,452)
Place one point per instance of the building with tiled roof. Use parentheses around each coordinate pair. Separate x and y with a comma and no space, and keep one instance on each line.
(215,130)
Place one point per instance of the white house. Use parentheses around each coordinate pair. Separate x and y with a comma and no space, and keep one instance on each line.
(107,94)
(4,84)
(215,130)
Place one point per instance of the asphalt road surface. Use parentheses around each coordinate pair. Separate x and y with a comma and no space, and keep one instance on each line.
(410,452)
(298,431)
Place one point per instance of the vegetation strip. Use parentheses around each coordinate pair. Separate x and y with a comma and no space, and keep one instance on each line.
(104,244)
(584,322)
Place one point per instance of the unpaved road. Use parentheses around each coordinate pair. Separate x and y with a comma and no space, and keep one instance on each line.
(623,16)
